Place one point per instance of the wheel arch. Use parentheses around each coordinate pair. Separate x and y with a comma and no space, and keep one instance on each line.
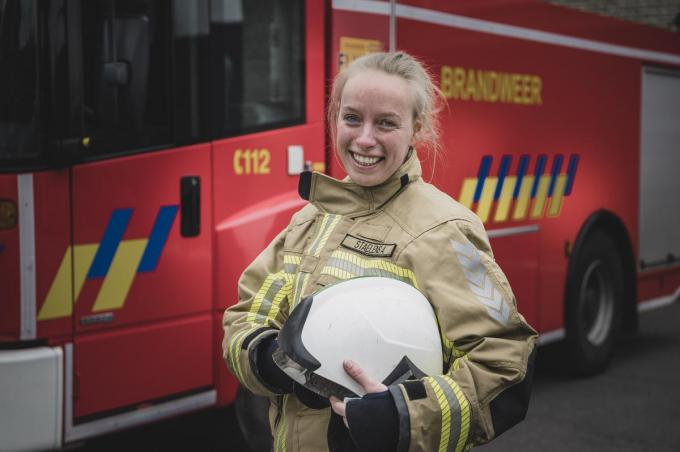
(614,227)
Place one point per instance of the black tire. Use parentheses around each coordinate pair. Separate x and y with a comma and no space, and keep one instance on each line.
(594,302)
(252,415)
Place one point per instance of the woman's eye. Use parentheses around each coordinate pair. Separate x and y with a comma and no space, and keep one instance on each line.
(387,124)
(351,119)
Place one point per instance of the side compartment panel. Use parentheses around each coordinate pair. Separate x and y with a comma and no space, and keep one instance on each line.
(139,364)
(659,165)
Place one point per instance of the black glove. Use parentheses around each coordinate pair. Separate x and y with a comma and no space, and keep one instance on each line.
(373,422)
(277,379)
(268,370)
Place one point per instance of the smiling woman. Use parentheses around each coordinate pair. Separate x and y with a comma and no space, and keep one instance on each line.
(383,220)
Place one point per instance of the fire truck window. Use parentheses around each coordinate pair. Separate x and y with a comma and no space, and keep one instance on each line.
(191,30)
(127,92)
(56,122)
(18,81)
(257,65)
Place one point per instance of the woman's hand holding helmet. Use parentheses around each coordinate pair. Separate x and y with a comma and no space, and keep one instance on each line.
(372,419)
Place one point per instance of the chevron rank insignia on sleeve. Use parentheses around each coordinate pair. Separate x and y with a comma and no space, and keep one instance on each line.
(480,283)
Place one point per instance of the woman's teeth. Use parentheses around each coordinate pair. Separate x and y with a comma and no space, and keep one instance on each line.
(364,160)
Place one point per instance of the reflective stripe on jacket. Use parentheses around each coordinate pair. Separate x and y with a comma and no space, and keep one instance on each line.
(409,230)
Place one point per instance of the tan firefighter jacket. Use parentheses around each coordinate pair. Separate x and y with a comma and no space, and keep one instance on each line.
(408,230)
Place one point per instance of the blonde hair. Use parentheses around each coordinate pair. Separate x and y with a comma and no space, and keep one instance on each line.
(427,97)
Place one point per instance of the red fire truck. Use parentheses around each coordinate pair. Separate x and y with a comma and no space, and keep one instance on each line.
(149,150)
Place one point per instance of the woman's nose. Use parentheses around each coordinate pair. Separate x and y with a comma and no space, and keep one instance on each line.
(366,138)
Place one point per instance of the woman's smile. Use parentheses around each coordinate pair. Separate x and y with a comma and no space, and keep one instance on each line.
(365,160)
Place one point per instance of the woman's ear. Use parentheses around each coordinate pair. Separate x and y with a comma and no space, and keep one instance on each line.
(417,127)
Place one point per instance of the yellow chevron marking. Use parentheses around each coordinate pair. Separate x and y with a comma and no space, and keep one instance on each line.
(58,302)
(558,196)
(120,276)
(486,200)
(505,200)
(467,192)
(523,198)
(83,257)
(538,207)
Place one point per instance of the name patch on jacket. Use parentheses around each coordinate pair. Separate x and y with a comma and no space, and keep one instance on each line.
(367,247)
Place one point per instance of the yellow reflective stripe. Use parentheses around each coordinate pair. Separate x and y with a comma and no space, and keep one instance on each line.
(457,362)
(234,352)
(329,223)
(464,413)
(338,273)
(264,297)
(282,428)
(467,192)
(523,198)
(291,263)
(120,276)
(276,304)
(447,347)
(319,233)
(541,195)
(445,432)
(558,196)
(345,265)
(503,207)
(486,200)
(299,287)
(292,259)
(455,413)
(276,286)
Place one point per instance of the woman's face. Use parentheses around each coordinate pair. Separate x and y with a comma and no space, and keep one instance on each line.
(375,126)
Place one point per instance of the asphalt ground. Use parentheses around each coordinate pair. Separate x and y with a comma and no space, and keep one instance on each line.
(633,406)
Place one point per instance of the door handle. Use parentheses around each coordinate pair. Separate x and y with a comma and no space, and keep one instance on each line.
(190,196)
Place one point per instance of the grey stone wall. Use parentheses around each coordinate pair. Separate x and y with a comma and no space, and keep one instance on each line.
(659,13)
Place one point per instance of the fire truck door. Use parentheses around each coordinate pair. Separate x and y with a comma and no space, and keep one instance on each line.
(141,221)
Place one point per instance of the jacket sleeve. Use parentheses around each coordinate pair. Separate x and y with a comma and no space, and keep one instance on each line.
(488,346)
(263,291)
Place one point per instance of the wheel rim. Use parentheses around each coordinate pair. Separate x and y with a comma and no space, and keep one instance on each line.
(597,303)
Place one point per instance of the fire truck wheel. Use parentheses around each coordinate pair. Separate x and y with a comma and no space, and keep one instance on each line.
(252,415)
(594,305)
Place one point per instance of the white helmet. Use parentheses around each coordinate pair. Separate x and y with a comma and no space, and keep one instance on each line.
(384,325)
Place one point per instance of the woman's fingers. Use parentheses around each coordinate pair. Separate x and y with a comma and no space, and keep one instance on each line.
(357,373)
(338,406)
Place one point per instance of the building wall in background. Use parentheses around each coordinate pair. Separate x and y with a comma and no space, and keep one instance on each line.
(659,13)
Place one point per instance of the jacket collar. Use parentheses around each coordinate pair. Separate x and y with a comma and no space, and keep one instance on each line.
(344,197)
